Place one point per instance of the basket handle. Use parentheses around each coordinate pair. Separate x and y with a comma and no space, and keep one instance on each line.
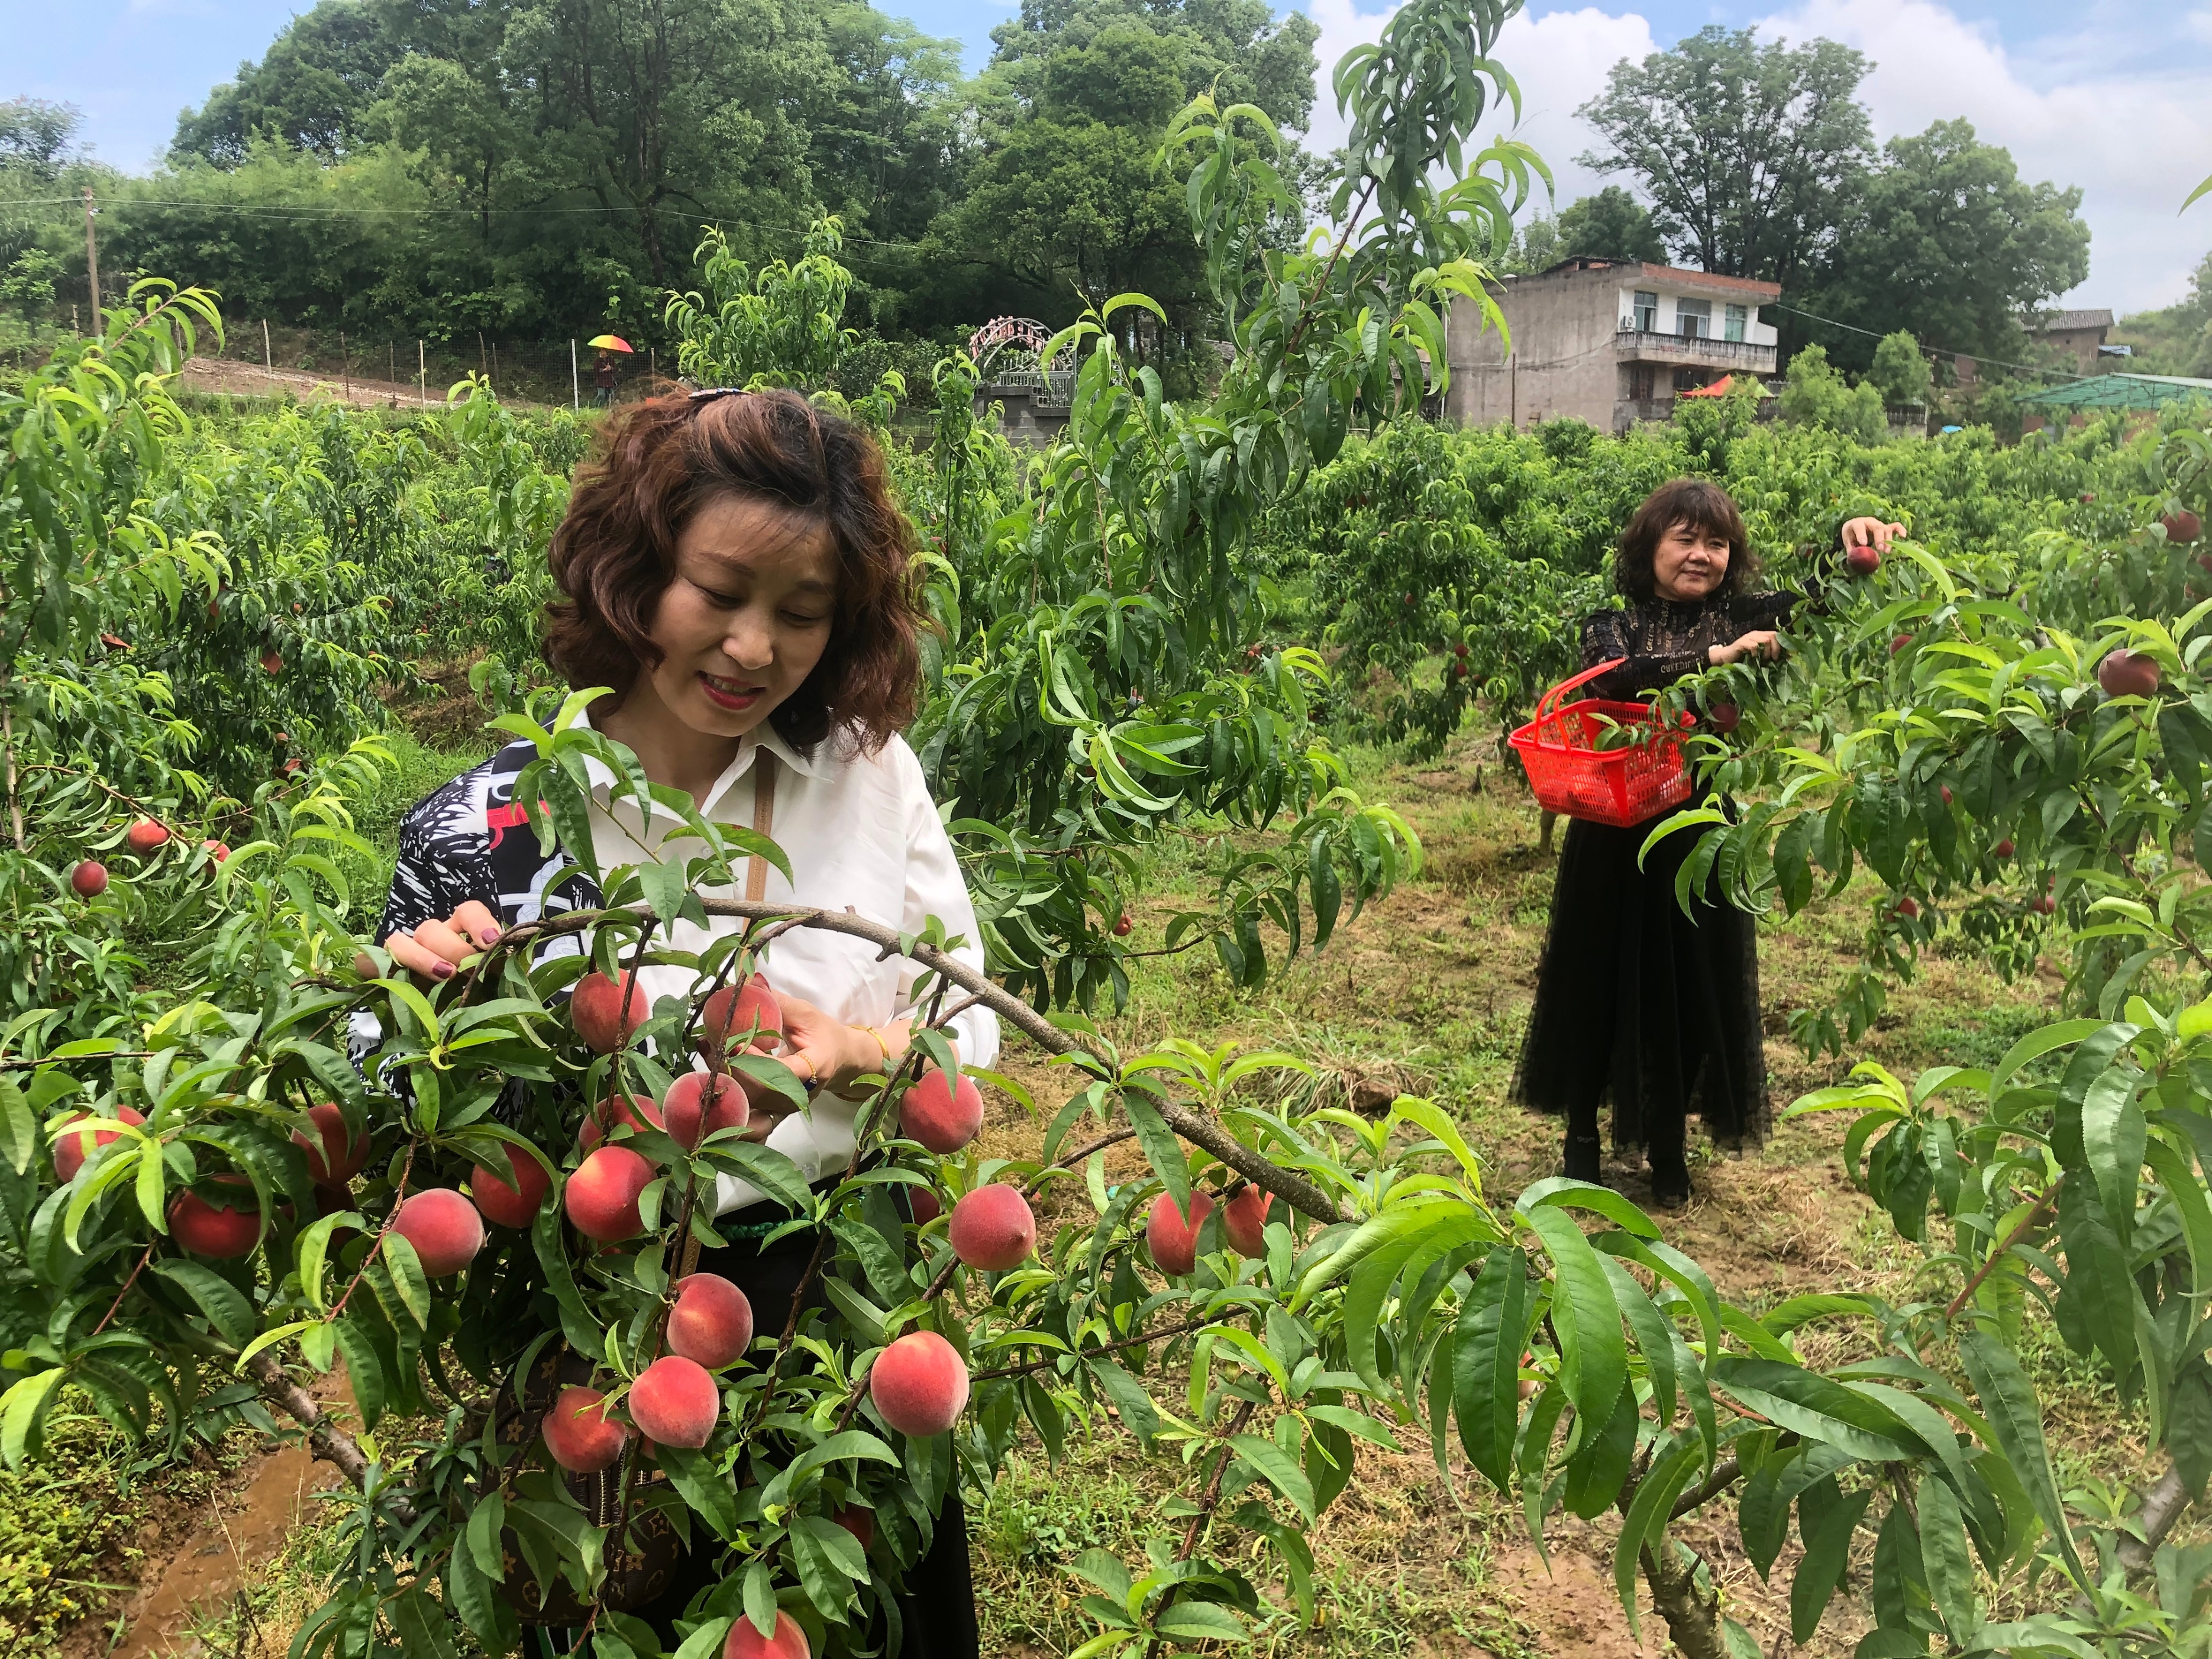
(1552,698)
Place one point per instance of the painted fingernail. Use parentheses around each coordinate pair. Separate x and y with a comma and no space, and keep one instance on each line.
(488,935)
(442,970)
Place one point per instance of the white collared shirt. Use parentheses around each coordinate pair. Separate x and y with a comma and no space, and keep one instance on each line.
(861,832)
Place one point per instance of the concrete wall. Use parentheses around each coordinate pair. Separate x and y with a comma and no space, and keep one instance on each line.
(1562,361)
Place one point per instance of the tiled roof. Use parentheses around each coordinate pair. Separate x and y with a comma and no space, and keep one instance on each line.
(2048,322)
(1636,271)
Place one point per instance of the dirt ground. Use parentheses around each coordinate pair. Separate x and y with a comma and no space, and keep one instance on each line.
(251,381)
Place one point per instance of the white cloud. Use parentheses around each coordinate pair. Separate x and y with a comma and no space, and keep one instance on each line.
(1558,60)
(2137,140)
(2136,143)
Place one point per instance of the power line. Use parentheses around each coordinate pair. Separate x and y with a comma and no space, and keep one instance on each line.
(1994,362)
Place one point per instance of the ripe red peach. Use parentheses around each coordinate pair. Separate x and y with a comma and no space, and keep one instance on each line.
(699,1104)
(579,1433)
(602,1015)
(941,1117)
(72,1148)
(712,1322)
(745,1642)
(214,1229)
(333,1158)
(508,1205)
(860,1522)
(2128,674)
(992,1228)
(920,1384)
(444,1227)
(749,1010)
(1245,1221)
(88,879)
(674,1403)
(619,1111)
(1173,1239)
(601,1196)
(143,836)
(925,1203)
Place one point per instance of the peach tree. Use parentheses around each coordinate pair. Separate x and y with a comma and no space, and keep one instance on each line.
(482,1197)
(2019,770)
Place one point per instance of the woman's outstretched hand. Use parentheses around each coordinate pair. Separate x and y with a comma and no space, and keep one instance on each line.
(435,948)
(1870,532)
(1762,643)
(827,1052)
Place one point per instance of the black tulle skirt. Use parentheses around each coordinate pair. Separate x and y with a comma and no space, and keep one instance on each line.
(1639,1002)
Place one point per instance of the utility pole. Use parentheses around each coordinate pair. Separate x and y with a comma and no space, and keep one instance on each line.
(92,260)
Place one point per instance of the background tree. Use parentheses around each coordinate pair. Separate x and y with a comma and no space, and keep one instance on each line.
(1064,202)
(2176,339)
(311,88)
(1610,225)
(38,137)
(1745,149)
(1818,395)
(1945,241)
(1900,371)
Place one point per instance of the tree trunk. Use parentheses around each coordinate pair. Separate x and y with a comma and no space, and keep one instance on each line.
(1693,1614)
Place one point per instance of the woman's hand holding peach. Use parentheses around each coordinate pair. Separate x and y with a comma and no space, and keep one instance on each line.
(436,948)
(1876,533)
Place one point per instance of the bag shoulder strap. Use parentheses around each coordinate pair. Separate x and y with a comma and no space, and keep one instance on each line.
(763,823)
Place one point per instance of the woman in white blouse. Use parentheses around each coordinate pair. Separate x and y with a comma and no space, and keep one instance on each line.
(736,570)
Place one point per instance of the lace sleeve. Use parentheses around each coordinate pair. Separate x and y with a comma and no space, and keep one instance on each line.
(1608,634)
(1756,610)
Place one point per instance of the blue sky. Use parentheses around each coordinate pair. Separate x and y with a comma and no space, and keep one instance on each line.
(2107,95)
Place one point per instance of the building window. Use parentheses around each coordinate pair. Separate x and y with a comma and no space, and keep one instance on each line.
(1686,380)
(1647,313)
(1640,387)
(1693,319)
(1733,327)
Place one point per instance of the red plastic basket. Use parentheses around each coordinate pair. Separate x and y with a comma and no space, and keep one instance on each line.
(1619,787)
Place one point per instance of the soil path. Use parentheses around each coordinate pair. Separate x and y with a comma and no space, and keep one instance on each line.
(246,380)
(231,1539)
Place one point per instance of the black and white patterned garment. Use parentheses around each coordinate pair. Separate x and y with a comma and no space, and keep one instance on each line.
(472,839)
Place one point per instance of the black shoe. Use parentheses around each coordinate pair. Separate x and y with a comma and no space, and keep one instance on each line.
(1670,1179)
(1583,1161)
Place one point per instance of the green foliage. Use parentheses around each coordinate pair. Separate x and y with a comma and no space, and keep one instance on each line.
(1944,240)
(1900,370)
(1745,150)
(784,326)
(1097,687)
(1818,395)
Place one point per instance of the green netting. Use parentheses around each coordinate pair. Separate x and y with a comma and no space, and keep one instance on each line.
(2123,392)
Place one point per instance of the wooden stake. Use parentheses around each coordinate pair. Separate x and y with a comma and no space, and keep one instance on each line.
(92,260)
(268,356)
(423,372)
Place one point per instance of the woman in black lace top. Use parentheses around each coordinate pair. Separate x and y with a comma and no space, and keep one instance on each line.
(1634,998)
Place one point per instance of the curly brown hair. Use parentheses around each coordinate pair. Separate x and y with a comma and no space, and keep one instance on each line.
(1700,504)
(656,464)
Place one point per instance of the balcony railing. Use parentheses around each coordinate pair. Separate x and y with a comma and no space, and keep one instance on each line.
(1649,346)
(1053,388)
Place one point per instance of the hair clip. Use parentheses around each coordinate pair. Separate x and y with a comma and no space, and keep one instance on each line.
(707,394)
